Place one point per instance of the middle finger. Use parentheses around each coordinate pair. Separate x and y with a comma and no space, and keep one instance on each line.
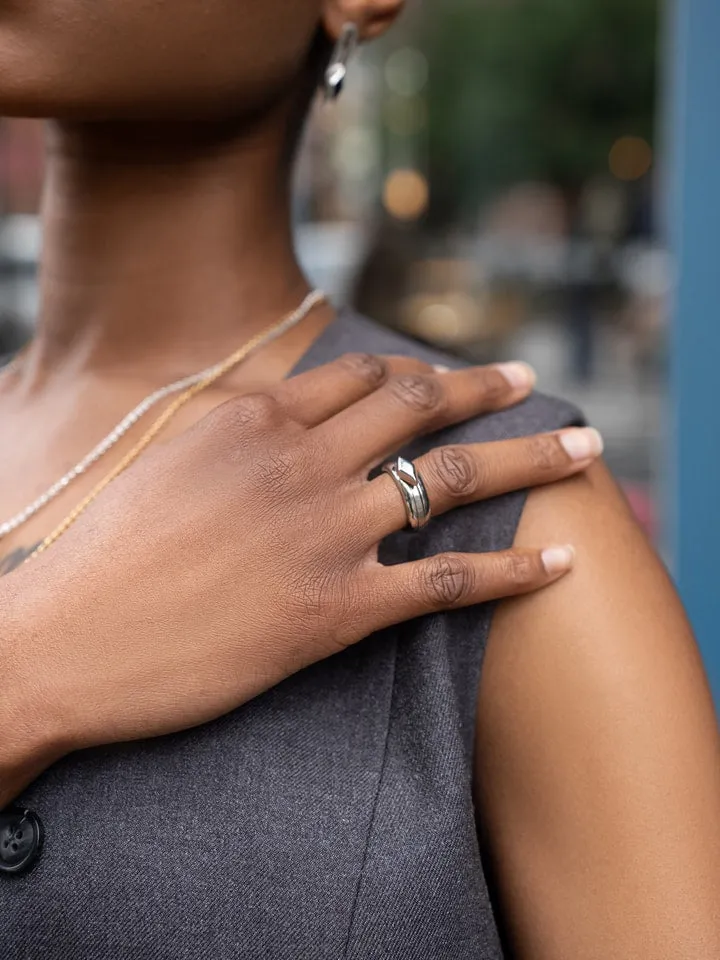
(413,404)
(318,394)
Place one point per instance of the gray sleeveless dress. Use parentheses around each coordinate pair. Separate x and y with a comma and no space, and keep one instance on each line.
(330,818)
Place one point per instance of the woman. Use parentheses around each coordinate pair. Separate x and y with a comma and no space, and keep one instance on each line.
(335,815)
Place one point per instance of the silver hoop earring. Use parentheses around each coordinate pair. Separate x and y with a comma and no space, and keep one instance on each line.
(337,71)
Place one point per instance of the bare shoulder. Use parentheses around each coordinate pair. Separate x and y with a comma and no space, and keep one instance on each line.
(598,757)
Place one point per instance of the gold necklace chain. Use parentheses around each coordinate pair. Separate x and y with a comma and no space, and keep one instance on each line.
(313,300)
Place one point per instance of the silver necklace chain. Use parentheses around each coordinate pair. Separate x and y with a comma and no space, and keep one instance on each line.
(117,433)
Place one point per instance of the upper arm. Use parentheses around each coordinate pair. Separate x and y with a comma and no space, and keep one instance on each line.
(598,757)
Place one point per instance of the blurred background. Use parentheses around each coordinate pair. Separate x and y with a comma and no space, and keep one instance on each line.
(487,183)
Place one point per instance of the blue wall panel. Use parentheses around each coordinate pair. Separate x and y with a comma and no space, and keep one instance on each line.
(693,131)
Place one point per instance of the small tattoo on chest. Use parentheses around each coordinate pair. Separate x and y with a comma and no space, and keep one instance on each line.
(13,560)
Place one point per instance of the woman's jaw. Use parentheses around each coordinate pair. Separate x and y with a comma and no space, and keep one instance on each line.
(166,211)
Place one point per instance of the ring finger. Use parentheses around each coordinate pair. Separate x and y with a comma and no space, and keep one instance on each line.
(465,473)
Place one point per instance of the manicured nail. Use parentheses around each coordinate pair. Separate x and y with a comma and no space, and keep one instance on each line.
(584,444)
(441,368)
(557,560)
(520,376)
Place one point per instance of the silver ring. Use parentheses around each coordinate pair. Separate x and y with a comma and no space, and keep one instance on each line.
(411,486)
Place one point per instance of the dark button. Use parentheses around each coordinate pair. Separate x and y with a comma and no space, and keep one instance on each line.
(21,837)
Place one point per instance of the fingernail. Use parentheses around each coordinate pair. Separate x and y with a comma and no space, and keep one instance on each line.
(584,444)
(557,559)
(440,368)
(520,376)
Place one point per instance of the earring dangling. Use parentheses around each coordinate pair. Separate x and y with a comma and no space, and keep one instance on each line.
(337,71)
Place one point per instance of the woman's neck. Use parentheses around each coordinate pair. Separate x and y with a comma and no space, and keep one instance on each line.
(164,248)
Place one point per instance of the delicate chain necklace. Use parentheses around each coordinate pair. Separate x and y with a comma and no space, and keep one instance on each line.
(197,384)
(105,445)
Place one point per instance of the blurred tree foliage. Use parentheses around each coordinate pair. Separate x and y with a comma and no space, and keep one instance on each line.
(532,89)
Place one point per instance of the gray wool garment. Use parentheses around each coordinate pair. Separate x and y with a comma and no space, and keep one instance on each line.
(330,819)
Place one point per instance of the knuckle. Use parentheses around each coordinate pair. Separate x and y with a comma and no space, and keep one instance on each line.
(456,471)
(418,392)
(519,569)
(274,467)
(543,452)
(259,410)
(447,580)
(368,367)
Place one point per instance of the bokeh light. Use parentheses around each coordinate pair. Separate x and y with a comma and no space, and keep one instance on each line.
(630,158)
(406,194)
(406,71)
